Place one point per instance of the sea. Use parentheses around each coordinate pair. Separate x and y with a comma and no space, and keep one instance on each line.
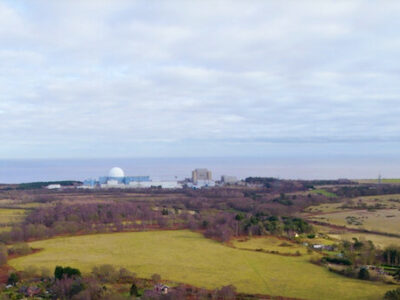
(178,168)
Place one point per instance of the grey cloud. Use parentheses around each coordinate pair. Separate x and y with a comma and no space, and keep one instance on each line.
(92,74)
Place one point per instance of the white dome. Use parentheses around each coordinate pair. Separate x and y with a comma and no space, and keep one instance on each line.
(116,172)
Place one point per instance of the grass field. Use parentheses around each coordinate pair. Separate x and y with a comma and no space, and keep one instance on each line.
(270,243)
(184,256)
(383,220)
(10,215)
(383,180)
(378,240)
(5,228)
(324,208)
(324,192)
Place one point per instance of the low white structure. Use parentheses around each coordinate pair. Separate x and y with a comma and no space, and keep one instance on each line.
(117,179)
(201,184)
(161,184)
(53,186)
(228,179)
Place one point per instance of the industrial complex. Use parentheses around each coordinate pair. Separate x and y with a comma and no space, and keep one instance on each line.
(117,179)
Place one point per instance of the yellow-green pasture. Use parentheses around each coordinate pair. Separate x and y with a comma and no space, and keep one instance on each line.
(324,208)
(11,215)
(380,241)
(382,220)
(185,256)
(386,201)
(269,243)
(383,180)
(5,228)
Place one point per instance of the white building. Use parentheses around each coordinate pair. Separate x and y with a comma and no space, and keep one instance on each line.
(53,186)
(201,174)
(228,179)
(116,179)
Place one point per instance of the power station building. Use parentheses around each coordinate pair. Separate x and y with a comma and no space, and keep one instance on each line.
(200,175)
(201,178)
(116,179)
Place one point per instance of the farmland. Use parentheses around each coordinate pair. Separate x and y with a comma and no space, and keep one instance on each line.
(185,256)
(380,241)
(373,213)
(9,216)
(271,244)
(384,221)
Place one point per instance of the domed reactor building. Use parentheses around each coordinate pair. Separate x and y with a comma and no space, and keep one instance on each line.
(116,179)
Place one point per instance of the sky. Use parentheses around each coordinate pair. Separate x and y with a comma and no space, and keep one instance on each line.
(171,78)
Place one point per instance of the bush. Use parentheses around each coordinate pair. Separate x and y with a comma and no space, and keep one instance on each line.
(392,295)
(30,272)
(106,273)
(363,274)
(13,279)
(337,260)
(134,290)
(20,249)
(68,272)
(126,275)
(45,272)
(3,255)
(66,288)
(227,292)
(156,278)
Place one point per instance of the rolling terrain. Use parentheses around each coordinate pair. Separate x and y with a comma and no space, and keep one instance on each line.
(185,256)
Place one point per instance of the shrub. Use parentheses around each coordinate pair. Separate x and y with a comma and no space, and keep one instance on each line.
(68,272)
(13,279)
(363,274)
(106,273)
(20,249)
(227,292)
(66,288)
(3,255)
(156,278)
(126,275)
(338,261)
(134,290)
(30,271)
(45,272)
(392,295)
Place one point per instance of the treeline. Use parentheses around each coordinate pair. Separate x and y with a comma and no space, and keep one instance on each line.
(366,190)
(224,226)
(44,222)
(42,184)
(253,201)
(83,218)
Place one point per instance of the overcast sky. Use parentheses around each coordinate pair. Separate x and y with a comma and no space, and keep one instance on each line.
(198,78)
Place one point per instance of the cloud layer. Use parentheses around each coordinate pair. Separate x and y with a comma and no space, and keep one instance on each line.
(139,78)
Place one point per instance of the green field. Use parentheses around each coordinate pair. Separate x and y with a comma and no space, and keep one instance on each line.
(185,256)
(383,220)
(11,215)
(380,241)
(270,243)
(324,192)
(383,180)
